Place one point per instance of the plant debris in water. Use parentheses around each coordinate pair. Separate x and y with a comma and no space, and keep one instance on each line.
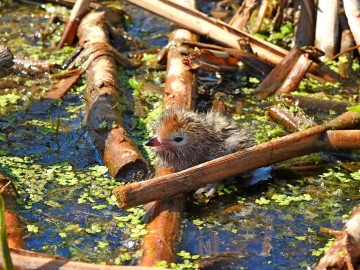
(66,202)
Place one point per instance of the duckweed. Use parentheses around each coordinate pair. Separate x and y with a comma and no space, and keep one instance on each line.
(187,263)
(283,199)
(122,258)
(340,175)
(9,99)
(300,238)
(262,200)
(187,255)
(320,251)
(133,222)
(94,228)
(102,245)
(67,201)
(32,228)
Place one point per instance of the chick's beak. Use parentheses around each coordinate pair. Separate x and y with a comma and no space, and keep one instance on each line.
(153,142)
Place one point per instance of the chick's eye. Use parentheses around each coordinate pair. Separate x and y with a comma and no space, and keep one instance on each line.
(178,139)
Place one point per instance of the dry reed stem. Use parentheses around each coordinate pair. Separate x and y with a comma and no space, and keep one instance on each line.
(268,153)
(163,228)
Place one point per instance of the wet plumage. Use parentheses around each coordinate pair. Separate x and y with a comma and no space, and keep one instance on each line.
(185,138)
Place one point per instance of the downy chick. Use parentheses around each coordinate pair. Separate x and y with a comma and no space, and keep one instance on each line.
(185,138)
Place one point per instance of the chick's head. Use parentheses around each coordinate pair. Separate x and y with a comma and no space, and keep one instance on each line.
(177,128)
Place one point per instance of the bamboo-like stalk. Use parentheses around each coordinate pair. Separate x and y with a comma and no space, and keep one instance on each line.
(343,139)
(352,11)
(180,82)
(295,144)
(278,75)
(344,253)
(36,64)
(163,228)
(242,15)
(63,86)
(223,33)
(295,121)
(102,118)
(304,22)
(13,230)
(295,76)
(278,18)
(77,13)
(321,104)
(347,41)
(211,60)
(261,15)
(327,26)
(28,260)
(260,67)
(219,31)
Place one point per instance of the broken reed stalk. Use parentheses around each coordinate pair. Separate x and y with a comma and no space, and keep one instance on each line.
(347,41)
(242,15)
(211,60)
(260,16)
(35,65)
(159,244)
(352,11)
(180,84)
(219,31)
(290,146)
(279,15)
(14,232)
(63,86)
(295,76)
(298,120)
(277,76)
(262,68)
(4,247)
(291,121)
(11,64)
(326,33)
(343,139)
(344,253)
(77,13)
(103,119)
(321,104)
(305,23)
(224,34)
(163,228)
(28,260)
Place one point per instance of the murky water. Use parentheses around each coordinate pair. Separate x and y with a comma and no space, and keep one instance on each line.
(66,204)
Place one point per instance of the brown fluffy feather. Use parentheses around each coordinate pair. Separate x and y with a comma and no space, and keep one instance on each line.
(185,138)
